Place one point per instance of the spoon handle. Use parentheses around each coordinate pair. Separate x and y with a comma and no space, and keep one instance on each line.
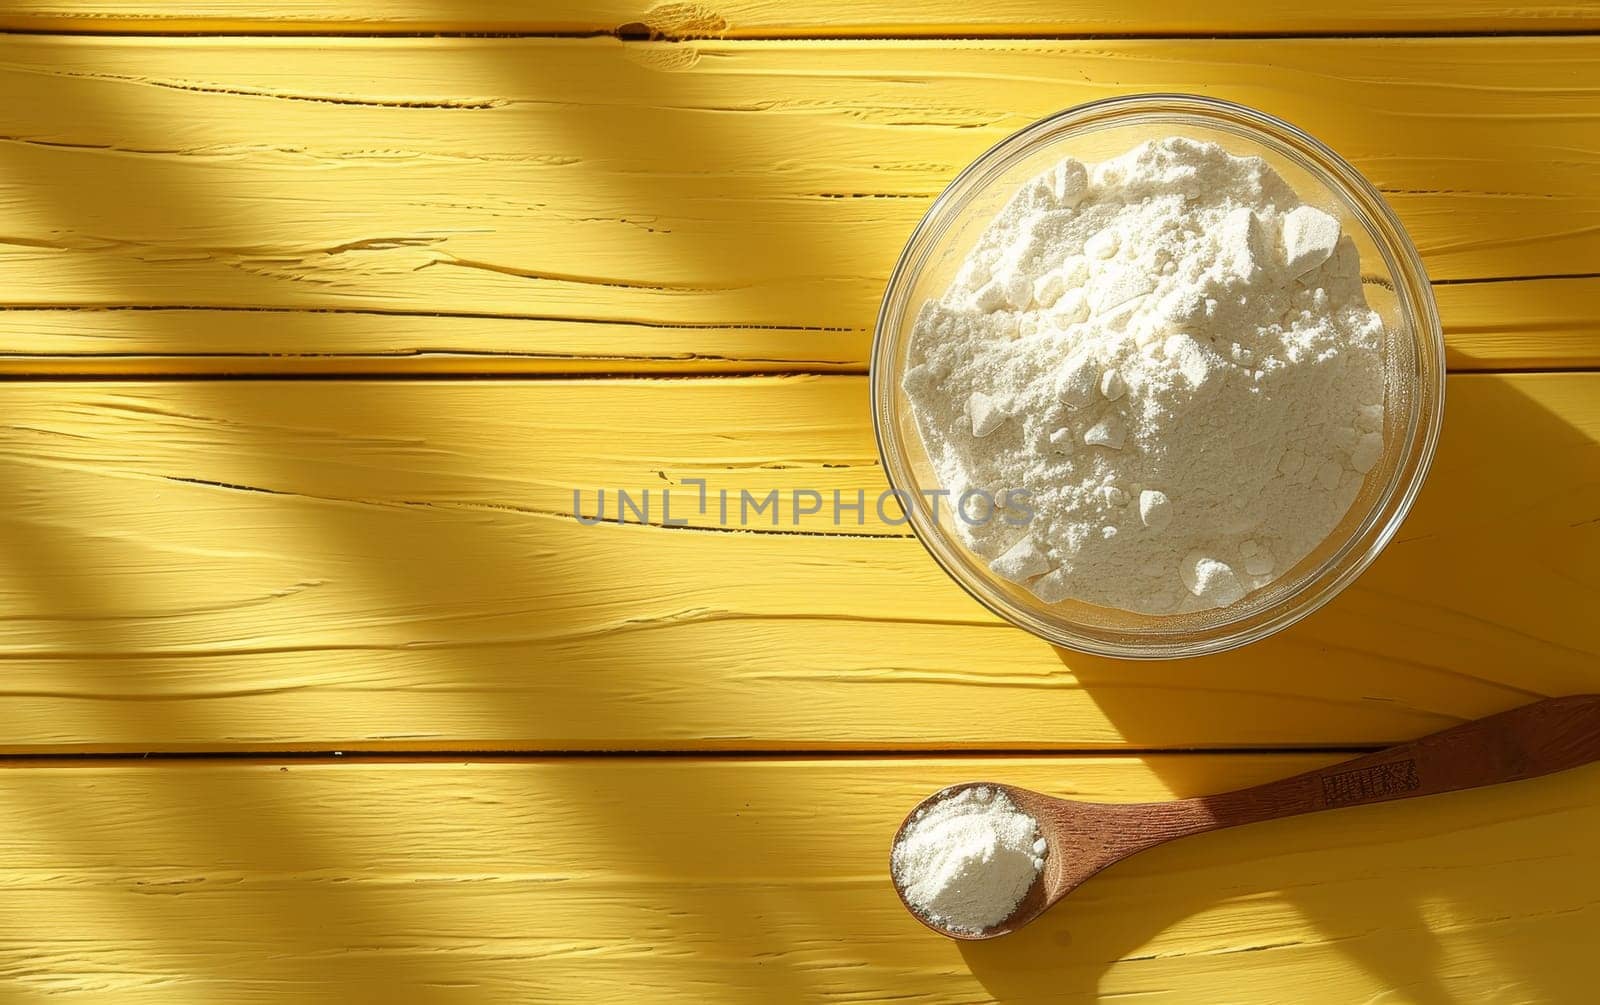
(1537,739)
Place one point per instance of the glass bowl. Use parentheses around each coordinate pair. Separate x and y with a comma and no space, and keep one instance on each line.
(1393,279)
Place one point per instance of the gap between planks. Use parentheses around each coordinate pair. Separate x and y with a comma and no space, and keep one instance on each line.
(329,755)
(803,20)
(414,376)
(627,34)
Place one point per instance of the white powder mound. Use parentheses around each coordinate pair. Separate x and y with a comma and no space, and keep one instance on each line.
(966,862)
(1170,358)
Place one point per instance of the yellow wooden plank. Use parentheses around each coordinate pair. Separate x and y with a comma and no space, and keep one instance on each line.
(1532,323)
(556,199)
(619,880)
(757,18)
(258,564)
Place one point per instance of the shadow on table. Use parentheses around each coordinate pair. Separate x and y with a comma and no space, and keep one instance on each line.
(1453,895)
(135,669)
(1488,594)
(1484,600)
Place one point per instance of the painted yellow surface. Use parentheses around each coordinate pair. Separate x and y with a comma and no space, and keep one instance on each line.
(389,566)
(372,204)
(756,18)
(620,880)
(247,564)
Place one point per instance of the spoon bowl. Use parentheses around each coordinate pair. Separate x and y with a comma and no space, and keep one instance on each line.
(1082,838)
(1079,841)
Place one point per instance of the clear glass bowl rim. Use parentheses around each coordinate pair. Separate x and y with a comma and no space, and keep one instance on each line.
(1415,301)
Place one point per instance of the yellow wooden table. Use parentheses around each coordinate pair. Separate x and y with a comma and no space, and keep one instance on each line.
(317,312)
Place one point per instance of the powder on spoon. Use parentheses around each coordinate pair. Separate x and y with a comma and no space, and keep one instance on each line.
(1171,356)
(966,861)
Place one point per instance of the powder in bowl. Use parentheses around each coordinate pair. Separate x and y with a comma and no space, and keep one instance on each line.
(966,861)
(1165,363)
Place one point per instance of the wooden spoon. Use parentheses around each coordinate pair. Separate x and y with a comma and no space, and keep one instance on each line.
(1084,838)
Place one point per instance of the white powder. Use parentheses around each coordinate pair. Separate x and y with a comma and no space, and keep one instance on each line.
(1173,358)
(966,862)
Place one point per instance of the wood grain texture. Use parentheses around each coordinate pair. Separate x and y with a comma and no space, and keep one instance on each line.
(759,18)
(258,564)
(621,880)
(1498,325)
(369,205)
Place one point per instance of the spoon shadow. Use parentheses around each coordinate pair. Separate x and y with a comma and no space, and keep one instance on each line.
(1240,909)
